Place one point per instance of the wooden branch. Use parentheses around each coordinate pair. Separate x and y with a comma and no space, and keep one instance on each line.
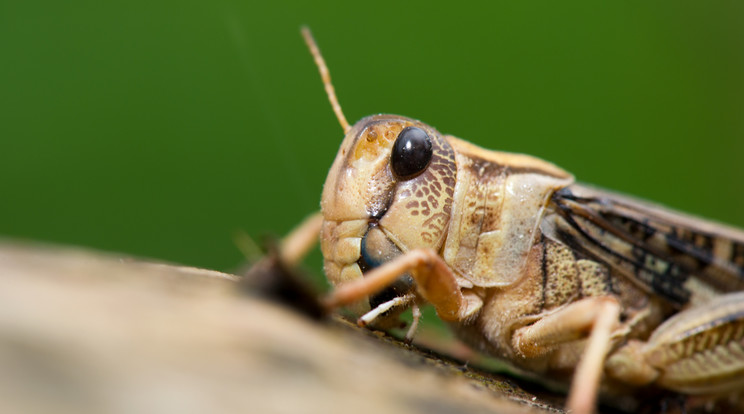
(88,332)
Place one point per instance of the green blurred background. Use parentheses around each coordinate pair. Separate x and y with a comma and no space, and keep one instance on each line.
(161,128)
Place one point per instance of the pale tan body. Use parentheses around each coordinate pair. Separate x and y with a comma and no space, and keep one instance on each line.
(531,267)
(495,265)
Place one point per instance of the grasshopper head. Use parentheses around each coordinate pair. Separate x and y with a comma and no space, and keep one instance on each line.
(390,190)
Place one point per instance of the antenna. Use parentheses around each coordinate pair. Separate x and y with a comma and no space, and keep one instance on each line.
(326,77)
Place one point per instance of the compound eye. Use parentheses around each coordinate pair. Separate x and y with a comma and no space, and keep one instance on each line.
(412,152)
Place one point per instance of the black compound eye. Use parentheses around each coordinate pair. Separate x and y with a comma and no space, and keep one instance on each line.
(412,152)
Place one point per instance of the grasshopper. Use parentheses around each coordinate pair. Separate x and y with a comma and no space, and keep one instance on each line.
(528,265)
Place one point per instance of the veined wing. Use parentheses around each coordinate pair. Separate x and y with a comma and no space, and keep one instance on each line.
(676,256)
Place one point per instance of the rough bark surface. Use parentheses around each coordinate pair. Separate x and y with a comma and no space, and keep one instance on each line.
(88,332)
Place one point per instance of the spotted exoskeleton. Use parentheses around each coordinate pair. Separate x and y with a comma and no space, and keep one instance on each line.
(529,265)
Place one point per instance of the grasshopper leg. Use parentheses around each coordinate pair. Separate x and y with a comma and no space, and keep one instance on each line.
(398,301)
(416,311)
(295,246)
(276,276)
(435,282)
(596,315)
(697,351)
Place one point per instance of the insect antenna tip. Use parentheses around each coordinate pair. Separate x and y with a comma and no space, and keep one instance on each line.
(325,75)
